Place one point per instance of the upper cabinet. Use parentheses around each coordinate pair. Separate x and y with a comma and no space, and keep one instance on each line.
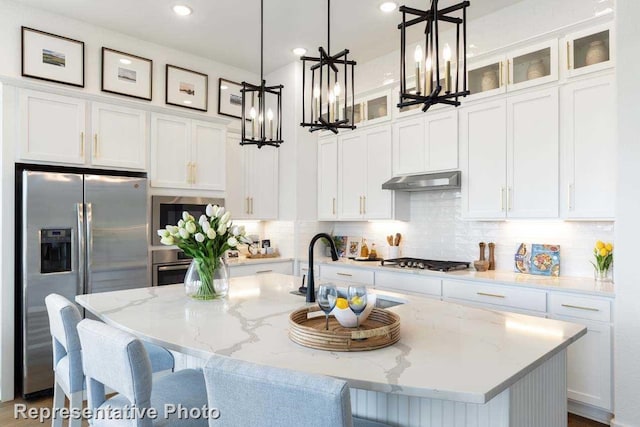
(589,149)
(52,128)
(187,153)
(328,178)
(518,69)
(119,137)
(588,50)
(369,109)
(510,162)
(426,143)
(252,181)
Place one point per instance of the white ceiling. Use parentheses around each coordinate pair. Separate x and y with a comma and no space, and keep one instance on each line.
(228,30)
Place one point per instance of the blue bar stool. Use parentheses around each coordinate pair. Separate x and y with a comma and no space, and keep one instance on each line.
(64,317)
(118,360)
(247,394)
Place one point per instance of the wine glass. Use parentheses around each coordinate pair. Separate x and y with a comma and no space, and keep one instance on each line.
(357,297)
(327,297)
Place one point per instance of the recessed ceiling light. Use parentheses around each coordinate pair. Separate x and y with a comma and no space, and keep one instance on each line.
(182,10)
(125,61)
(299,51)
(388,6)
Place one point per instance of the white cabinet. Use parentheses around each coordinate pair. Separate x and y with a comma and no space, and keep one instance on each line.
(364,164)
(328,178)
(119,137)
(52,128)
(589,50)
(412,283)
(426,143)
(339,273)
(187,153)
(285,267)
(511,161)
(252,181)
(589,149)
(483,149)
(533,155)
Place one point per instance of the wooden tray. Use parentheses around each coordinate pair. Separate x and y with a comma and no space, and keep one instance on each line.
(381,329)
(276,254)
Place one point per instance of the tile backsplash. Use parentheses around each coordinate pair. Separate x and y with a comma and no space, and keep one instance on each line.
(437,231)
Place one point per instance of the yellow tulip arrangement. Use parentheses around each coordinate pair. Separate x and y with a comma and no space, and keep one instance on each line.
(603,253)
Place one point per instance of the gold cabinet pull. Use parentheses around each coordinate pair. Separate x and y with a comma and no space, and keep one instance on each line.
(501,199)
(194,172)
(364,205)
(500,76)
(360,205)
(251,200)
(82,144)
(334,206)
(484,294)
(96,152)
(508,72)
(509,201)
(189,173)
(578,307)
(568,56)
(569,191)
(264,271)
(344,274)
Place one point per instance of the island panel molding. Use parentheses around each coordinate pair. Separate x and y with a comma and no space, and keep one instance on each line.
(51,57)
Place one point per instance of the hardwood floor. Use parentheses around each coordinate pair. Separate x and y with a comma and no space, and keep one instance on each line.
(7,419)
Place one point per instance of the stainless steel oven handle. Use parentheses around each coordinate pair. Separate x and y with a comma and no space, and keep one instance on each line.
(81,247)
(173,267)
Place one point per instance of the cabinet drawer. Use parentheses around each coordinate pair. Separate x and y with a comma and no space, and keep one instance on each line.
(581,307)
(342,274)
(250,270)
(409,283)
(525,299)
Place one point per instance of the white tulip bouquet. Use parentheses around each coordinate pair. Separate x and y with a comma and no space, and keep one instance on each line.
(205,241)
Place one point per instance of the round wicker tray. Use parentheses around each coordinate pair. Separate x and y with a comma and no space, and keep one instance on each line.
(381,329)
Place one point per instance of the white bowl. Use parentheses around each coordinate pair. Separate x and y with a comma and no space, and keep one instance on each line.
(347,318)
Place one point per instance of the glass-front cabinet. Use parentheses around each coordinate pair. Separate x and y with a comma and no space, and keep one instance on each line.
(589,50)
(369,109)
(532,65)
(486,77)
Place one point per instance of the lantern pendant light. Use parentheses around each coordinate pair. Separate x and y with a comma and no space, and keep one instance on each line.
(263,104)
(331,80)
(428,88)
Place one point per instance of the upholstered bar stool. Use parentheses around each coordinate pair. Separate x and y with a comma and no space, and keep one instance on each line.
(64,317)
(247,394)
(118,360)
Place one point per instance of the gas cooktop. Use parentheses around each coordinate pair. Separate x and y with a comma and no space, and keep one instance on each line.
(425,264)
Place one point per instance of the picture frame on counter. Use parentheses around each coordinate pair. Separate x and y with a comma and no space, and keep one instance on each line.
(186,88)
(353,247)
(126,74)
(50,57)
(229,98)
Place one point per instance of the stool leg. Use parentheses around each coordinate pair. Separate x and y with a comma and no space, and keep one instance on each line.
(76,403)
(58,403)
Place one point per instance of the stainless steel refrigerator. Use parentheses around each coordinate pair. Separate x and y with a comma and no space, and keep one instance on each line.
(81,233)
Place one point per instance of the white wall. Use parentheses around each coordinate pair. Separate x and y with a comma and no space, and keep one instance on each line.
(12,17)
(627,318)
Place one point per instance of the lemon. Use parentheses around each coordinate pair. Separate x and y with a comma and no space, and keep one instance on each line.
(356,300)
(342,303)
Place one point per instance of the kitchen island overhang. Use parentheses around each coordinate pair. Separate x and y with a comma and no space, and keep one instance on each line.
(474,360)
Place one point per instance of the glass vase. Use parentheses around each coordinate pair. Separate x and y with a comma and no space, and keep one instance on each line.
(603,275)
(207,279)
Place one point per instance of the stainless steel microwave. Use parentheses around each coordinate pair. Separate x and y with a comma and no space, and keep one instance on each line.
(167,210)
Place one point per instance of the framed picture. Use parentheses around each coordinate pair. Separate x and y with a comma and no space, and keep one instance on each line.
(186,88)
(353,246)
(126,74)
(229,98)
(53,58)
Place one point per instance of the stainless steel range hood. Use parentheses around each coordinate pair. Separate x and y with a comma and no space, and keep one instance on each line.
(425,182)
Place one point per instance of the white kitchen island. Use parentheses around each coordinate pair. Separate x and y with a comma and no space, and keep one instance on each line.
(453,366)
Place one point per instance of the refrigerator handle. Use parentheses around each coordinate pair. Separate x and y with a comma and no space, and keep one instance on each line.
(89,244)
(81,248)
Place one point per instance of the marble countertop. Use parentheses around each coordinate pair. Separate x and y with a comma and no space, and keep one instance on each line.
(446,351)
(582,285)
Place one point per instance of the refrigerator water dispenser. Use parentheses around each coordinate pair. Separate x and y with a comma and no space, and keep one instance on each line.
(55,250)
